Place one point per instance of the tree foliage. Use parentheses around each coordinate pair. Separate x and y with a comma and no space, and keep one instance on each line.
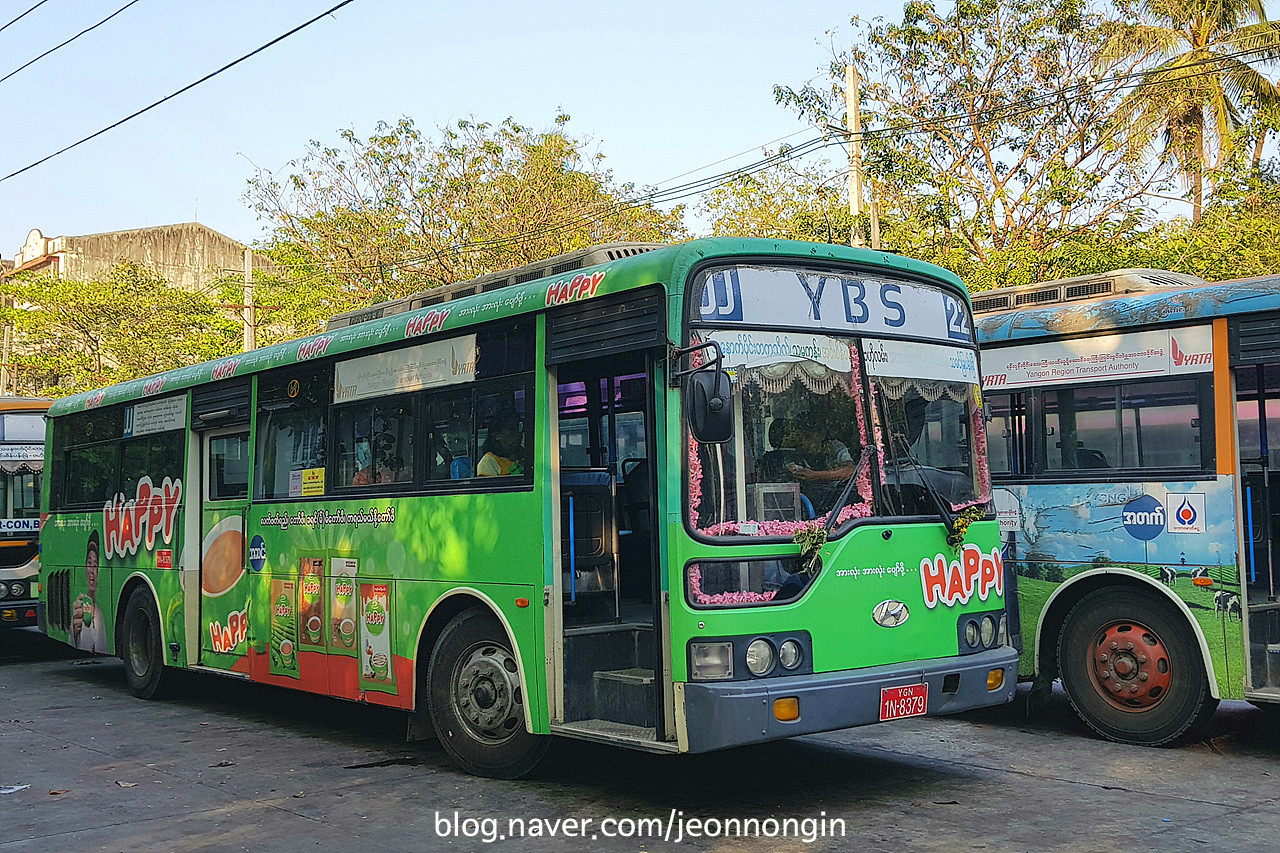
(1202,80)
(990,125)
(374,219)
(75,335)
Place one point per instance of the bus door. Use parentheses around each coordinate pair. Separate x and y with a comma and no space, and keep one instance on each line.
(224,585)
(613,675)
(1258,418)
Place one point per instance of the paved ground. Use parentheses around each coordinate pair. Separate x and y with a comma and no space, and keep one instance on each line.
(230,766)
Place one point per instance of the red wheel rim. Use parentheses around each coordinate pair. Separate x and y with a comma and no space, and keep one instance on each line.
(1130,667)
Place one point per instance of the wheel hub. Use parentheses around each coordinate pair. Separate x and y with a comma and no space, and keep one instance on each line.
(486,693)
(1130,666)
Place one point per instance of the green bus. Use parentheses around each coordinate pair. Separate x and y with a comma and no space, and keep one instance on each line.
(676,498)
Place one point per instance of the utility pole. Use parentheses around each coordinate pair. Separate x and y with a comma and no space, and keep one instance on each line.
(873,206)
(853,123)
(250,315)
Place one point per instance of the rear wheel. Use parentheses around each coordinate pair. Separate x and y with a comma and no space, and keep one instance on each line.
(477,703)
(1132,668)
(141,648)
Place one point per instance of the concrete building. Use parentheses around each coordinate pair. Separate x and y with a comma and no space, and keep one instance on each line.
(187,255)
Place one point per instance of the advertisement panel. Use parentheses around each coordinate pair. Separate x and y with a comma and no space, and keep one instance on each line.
(1127,355)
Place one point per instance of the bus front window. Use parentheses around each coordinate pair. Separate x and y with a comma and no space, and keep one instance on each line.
(802,426)
(799,435)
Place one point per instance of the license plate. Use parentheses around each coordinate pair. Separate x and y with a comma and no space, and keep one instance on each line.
(899,702)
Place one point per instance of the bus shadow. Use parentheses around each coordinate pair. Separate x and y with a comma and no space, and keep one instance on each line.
(1236,726)
(29,645)
(790,776)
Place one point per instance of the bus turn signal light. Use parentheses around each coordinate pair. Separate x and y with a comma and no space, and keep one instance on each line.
(1202,581)
(786,709)
(995,679)
(522,602)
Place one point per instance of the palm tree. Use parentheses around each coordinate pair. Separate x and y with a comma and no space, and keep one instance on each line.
(1194,96)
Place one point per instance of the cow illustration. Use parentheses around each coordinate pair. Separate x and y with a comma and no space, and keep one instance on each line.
(1199,572)
(1167,576)
(1226,603)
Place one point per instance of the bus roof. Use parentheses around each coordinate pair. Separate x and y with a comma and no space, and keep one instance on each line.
(1130,311)
(670,264)
(24,404)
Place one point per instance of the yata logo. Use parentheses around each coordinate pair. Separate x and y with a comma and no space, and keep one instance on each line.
(226,370)
(722,297)
(94,400)
(1193,359)
(432,321)
(150,513)
(995,380)
(570,290)
(957,581)
(311,349)
(153,386)
(224,640)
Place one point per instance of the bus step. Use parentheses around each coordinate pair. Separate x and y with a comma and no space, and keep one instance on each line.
(614,734)
(625,696)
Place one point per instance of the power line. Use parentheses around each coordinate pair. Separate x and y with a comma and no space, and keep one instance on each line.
(186,88)
(23,15)
(68,41)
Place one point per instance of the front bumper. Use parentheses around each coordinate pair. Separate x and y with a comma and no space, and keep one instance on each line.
(735,713)
(20,613)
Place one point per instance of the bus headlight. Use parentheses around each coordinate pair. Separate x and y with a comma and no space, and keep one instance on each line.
(789,654)
(988,630)
(710,661)
(759,657)
(971,633)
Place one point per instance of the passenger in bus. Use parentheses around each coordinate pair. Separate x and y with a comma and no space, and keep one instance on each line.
(87,630)
(773,463)
(503,452)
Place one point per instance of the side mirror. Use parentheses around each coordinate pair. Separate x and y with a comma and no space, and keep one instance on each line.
(710,401)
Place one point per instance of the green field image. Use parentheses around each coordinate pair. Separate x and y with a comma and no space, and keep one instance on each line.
(1224,634)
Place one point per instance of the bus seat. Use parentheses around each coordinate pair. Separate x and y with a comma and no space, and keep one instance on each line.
(461,468)
(807,506)
(635,495)
(1089,458)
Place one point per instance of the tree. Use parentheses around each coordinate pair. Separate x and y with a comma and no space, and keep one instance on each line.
(379,218)
(1194,96)
(784,202)
(990,126)
(75,335)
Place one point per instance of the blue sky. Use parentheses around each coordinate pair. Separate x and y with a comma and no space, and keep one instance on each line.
(661,88)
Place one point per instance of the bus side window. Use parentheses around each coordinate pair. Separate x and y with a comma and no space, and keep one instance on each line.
(293,406)
(1006,432)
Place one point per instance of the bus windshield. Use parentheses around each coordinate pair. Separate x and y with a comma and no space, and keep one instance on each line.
(801,431)
(888,378)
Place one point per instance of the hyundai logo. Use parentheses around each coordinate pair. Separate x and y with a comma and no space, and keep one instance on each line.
(890,613)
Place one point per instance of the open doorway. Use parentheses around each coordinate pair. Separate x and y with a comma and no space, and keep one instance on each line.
(607,521)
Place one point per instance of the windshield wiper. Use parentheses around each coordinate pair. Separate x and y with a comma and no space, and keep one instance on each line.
(863,459)
(944,514)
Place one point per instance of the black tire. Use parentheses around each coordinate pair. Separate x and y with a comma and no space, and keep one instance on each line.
(141,647)
(1164,652)
(476,702)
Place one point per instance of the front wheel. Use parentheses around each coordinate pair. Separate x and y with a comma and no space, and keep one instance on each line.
(477,703)
(141,648)
(1132,668)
